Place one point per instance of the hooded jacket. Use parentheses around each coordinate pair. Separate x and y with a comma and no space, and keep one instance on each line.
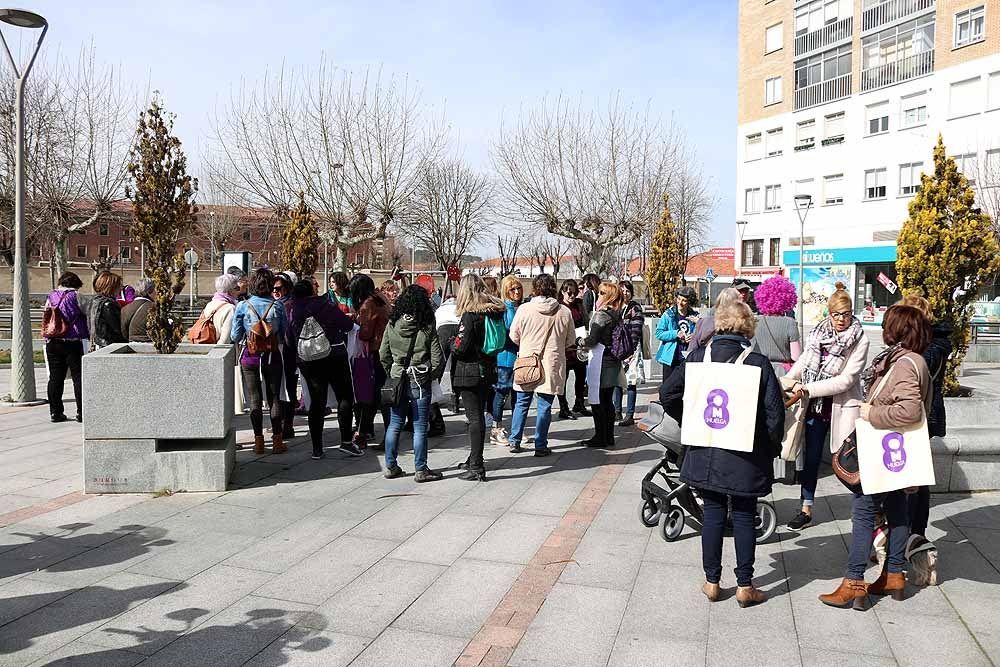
(473,368)
(527,331)
(508,355)
(426,349)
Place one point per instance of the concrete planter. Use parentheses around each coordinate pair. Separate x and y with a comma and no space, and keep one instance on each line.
(155,421)
(968,458)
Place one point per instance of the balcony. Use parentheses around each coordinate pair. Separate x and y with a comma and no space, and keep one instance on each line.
(824,37)
(880,76)
(823,92)
(889,11)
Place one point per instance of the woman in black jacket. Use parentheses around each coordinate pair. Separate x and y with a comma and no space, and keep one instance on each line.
(723,476)
(104,317)
(475,371)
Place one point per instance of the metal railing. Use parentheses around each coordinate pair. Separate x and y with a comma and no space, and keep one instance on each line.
(825,36)
(892,10)
(896,71)
(823,92)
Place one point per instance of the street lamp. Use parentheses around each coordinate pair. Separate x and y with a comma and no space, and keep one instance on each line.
(22,367)
(802,205)
(741,225)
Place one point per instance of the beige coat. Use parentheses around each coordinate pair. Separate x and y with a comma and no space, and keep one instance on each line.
(845,389)
(528,331)
(222,319)
(908,389)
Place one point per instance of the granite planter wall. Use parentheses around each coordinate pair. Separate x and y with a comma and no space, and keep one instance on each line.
(158,421)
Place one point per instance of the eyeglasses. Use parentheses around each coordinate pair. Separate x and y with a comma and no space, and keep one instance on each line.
(842,315)
(515,289)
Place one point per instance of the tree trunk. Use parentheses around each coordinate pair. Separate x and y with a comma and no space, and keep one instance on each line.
(59,251)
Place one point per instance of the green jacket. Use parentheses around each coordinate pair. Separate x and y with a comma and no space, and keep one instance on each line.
(396,343)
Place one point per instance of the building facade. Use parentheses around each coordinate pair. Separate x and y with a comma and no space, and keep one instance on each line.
(843,101)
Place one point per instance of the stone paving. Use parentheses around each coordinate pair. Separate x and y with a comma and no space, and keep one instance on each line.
(327,563)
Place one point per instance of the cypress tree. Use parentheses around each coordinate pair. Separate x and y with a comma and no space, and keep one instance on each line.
(665,269)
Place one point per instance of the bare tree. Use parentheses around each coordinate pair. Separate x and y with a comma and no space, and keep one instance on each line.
(449,211)
(507,249)
(221,216)
(988,188)
(554,247)
(538,254)
(595,177)
(691,205)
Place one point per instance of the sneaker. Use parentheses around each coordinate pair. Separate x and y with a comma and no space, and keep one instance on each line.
(498,436)
(426,475)
(393,472)
(800,521)
(619,417)
(58,419)
(628,421)
(542,452)
(318,454)
(351,448)
(566,414)
(514,449)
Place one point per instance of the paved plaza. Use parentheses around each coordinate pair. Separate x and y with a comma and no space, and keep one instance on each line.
(327,563)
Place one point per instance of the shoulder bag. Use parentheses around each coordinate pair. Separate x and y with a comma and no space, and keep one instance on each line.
(845,463)
(528,372)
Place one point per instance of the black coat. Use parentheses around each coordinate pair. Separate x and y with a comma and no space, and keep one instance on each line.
(473,369)
(936,357)
(721,470)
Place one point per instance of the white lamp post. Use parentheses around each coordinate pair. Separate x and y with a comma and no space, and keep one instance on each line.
(22,367)
(741,225)
(802,205)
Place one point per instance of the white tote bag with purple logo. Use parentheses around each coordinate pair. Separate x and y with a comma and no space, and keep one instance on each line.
(720,403)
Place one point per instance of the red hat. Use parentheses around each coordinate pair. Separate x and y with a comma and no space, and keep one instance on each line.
(425,281)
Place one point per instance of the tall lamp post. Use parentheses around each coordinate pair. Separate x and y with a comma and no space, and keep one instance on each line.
(802,205)
(741,225)
(22,367)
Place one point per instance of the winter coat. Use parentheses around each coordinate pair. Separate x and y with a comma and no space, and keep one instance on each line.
(587,303)
(602,323)
(426,349)
(104,318)
(336,325)
(68,301)
(508,355)
(373,317)
(666,332)
(901,402)
(134,320)
(721,470)
(936,357)
(635,319)
(527,330)
(474,369)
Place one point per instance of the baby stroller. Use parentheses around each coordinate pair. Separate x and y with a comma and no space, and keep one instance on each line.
(668,507)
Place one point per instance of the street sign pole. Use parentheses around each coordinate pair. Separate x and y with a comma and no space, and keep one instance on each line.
(191,258)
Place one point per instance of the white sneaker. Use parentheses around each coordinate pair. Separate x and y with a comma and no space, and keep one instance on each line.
(498,436)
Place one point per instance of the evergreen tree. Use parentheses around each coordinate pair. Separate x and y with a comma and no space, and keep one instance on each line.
(300,241)
(666,263)
(162,195)
(945,251)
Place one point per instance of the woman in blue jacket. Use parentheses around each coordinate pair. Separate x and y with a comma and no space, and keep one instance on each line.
(674,330)
(512,293)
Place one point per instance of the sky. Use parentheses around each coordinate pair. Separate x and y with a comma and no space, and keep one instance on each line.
(477,61)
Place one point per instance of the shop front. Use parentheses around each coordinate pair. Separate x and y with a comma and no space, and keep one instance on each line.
(868,273)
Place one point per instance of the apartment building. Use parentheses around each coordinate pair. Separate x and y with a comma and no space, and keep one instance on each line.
(843,100)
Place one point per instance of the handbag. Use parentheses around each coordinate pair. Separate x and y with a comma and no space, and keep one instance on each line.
(393,392)
(528,372)
(795,420)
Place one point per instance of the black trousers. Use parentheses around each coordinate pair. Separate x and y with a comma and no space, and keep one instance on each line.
(257,390)
(579,371)
(333,371)
(474,399)
(919,508)
(291,372)
(62,356)
(604,417)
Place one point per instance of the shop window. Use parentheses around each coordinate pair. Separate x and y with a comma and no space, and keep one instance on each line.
(753,252)
(774,254)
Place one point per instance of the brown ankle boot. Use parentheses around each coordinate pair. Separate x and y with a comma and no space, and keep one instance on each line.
(278,445)
(711,591)
(850,593)
(258,445)
(889,583)
(748,596)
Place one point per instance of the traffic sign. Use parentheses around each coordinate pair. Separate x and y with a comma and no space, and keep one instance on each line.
(191,257)
(709,274)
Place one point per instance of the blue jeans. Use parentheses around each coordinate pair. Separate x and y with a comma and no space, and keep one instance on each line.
(744,535)
(816,430)
(502,389)
(893,504)
(629,398)
(542,419)
(421,408)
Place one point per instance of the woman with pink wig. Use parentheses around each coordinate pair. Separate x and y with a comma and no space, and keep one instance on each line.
(777,335)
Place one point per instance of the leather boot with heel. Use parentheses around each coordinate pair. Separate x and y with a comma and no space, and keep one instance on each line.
(748,596)
(850,593)
(889,583)
(711,591)
(258,445)
(278,445)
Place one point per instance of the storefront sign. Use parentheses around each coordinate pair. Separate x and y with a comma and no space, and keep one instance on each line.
(831,256)
(887,283)
(722,253)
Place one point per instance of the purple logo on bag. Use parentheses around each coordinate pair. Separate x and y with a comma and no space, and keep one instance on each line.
(894,457)
(717,412)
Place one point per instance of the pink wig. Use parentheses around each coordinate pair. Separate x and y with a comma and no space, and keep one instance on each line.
(775,296)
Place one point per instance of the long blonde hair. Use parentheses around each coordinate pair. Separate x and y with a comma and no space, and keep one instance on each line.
(508,282)
(472,296)
(610,294)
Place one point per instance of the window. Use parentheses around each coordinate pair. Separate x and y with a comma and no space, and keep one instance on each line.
(968,166)
(819,13)
(878,118)
(772,198)
(991,172)
(833,189)
(125,252)
(805,134)
(773,38)
(103,251)
(875,184)
(247,235)
(993,91)
(755,147)
(913,109)
(774,253)
(899,53)
(964,98)
(102,229)
(751,200)
(969,26)
(772,91)
(909,177)
(823,67)
(753,252)
(359,259)
(834,128)
(773,142)
(81,251)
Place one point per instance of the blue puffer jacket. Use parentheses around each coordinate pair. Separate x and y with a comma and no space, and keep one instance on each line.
(666,332)
(508,355)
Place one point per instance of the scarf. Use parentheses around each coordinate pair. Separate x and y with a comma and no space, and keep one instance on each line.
(223,296)
(837,344)
(870,374)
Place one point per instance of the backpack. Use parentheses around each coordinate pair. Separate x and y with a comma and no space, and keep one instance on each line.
(622,345)
(313,343)
(260,337)
(54,325)
(494,336)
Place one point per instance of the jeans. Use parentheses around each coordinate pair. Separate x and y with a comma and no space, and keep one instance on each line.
(744,535)
(893,504)
(630,395)
(503,387)
(579,371)
(419,405)
(919,506)
(473,399)
(816,430)
(62,356)
(543,419)
(604,418)
(333,370)
(256,391)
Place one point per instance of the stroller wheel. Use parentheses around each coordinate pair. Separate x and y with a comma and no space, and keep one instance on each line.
(671,523)
(767,521)
(649,513)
